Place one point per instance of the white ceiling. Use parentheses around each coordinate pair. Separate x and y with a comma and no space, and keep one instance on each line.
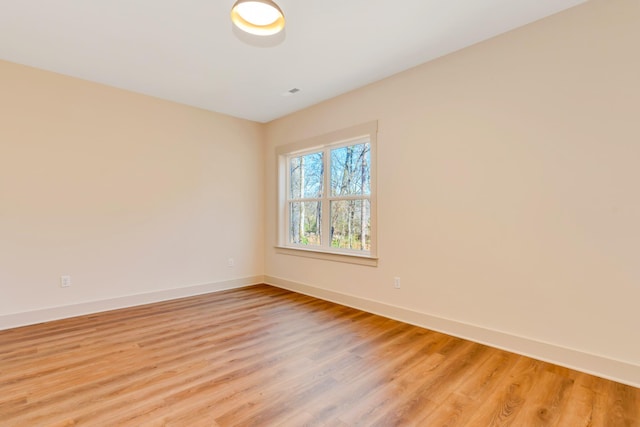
(187,51)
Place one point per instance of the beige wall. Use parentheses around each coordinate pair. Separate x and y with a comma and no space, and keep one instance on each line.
(509,178)
(126,193)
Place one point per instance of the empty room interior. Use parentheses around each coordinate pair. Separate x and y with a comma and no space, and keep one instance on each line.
(385,213)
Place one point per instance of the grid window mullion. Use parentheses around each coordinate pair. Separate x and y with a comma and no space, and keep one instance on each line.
(326,223)
(329,199)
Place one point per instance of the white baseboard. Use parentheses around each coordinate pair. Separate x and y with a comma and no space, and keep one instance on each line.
(616,370)
(54,313)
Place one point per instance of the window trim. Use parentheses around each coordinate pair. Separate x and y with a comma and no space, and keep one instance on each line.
(336,139)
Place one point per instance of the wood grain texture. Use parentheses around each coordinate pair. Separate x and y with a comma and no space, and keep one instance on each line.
(263,356)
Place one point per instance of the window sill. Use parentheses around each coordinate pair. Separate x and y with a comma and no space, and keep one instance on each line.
(329,256)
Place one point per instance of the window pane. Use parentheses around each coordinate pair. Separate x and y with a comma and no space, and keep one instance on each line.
(351,170)
(351,224)
(305,175)
(305,223)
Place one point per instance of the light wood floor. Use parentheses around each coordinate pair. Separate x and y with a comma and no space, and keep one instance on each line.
(262,356)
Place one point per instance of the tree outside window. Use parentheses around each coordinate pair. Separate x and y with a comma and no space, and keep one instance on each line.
(346,206)
(327,196)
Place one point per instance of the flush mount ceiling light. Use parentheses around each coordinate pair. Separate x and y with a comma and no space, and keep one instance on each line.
(259,17)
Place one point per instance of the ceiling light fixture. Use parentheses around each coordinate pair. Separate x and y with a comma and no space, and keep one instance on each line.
(258,17)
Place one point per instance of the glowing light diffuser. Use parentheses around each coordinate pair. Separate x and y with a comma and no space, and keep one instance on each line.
(259,17)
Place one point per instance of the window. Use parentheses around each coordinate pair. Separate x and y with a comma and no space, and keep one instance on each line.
(327,195)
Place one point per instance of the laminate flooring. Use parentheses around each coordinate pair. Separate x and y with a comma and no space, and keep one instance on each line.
(263,356)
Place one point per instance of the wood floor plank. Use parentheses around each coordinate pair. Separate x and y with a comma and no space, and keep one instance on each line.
(434,388)
(488,376)
(454,411)
(502,406)
(545,401)
(263,356)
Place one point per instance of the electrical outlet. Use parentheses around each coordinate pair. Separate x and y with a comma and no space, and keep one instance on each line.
(396,282)
(231,262)
(65,281)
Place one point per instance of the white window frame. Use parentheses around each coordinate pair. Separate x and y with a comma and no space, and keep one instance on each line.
(366,132)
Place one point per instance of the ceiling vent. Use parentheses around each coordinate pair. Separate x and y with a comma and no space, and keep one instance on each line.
(291,92)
